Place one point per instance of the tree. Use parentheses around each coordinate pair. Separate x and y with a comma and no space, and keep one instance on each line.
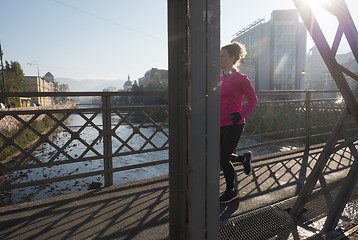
(137,100)
(157,84)
(15,77)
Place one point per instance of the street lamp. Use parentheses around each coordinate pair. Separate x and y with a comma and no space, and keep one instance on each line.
(3,89)
(303,77)
(35,63)
(302,74)
(38,81)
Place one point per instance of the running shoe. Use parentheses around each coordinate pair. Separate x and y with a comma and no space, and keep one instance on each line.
(247,162)
(228,196)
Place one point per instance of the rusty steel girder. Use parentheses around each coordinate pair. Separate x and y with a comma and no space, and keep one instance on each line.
(347,27)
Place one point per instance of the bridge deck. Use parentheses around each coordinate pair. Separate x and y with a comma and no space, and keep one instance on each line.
(140,210)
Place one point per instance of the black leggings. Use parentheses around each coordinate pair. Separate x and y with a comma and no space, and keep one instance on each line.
(229,138)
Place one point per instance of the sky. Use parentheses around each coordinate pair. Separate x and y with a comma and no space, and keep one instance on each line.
(111,39)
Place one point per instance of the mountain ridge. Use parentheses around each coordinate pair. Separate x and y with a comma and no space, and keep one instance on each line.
(90,85)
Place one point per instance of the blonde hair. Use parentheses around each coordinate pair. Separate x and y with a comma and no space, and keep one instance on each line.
(236,50)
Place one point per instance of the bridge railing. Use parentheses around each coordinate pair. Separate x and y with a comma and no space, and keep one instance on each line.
(80,139)
(100,140)
(301,118)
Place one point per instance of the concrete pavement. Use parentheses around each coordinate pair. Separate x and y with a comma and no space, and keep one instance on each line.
(140,210)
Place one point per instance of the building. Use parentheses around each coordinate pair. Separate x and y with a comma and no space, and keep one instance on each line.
(278,51)
(64,88)
(110,89)
(149,76)
(351,65)
(318,76)
(247,67)
(49,78)
(127,86)
(38,84)
(46,83)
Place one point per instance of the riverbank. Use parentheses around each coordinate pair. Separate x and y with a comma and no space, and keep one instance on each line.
(8,124)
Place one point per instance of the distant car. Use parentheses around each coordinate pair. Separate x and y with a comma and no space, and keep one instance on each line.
(2,106)
(339,101)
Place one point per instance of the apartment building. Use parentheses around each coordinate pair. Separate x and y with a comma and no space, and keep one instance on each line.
(46,83)
(278,51)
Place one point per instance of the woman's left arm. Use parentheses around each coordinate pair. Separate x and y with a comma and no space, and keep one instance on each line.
(251,97)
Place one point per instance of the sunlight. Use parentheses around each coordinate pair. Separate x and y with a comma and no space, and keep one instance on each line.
(318,5)
(281,64)
(319,2)
(327,21)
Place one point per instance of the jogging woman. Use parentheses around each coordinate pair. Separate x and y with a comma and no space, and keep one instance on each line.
(234,86)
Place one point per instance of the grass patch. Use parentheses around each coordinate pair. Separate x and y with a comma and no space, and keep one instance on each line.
(26,136)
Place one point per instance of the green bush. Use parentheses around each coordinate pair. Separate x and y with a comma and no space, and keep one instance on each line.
(26,136)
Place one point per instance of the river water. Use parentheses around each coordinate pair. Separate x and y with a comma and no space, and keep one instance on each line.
(76,148)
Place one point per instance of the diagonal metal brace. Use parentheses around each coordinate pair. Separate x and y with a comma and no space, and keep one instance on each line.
(346,26)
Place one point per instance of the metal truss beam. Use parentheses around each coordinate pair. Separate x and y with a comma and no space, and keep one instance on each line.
(346,26)
(194,50)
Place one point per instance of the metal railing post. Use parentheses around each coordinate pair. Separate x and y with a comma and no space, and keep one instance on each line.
(307,122)
(107,140)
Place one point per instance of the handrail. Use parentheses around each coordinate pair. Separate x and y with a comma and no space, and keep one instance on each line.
(82,94)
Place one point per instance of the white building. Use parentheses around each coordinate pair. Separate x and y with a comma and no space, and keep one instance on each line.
(149,76)
(127,86)
(278,50)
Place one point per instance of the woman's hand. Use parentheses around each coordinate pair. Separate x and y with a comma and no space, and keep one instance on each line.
(236,117)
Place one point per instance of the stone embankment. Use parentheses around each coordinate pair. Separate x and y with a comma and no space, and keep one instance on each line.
(8,123)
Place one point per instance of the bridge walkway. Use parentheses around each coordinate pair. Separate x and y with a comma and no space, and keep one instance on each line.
(140,210)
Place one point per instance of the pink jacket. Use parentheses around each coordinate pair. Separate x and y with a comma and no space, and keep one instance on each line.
(234,87)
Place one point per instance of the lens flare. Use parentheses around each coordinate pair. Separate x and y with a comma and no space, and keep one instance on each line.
(218,85)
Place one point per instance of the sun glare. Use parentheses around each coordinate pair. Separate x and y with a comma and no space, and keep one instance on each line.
(320,1)
(328,22)
(318,8)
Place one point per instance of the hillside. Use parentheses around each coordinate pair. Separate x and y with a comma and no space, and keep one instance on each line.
(90,85)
